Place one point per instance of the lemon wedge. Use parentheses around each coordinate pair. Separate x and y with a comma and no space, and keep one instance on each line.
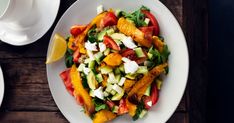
(57,50)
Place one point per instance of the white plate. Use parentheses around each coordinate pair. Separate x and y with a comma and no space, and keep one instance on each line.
(1,86)
(47,9)
(81,12)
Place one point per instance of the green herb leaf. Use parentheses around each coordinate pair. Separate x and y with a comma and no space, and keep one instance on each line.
(92,35)
(139,109)
(100,107)
(165,53)
(99,104)
(144,8)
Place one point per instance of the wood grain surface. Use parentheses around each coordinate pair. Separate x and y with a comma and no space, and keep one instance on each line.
(27,96)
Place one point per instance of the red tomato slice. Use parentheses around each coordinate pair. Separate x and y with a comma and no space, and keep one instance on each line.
(79,100)
(154,94)
(109,42)
(110,104)
(153,21)
(65,75)
(122,107)
(109,20)
(77,29)
(76,55)
(130,54)
(148,31)
(147,102)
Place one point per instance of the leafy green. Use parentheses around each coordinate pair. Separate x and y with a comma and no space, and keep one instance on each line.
(99,104)
(165,53)
(84,81)
(92,35)
(139,109)
(144,8)
(156,55)
(137,16)
(69,56)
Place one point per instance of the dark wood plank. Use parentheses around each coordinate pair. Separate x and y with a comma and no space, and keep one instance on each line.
(32,117)
(179,118)
(56,117)
(27,88)
(195,22)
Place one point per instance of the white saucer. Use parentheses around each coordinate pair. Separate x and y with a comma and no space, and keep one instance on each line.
(1,86)
(47,10)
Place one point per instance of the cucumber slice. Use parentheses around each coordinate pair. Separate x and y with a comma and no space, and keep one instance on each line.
(117,77)
(117,12)
(81,67)
(99,78)
(118,36)
(91,79)
(106,94)
(92,64)
(131,76)
(117,96)
(113,92)
(104,32)
(139,52)
(91,93)
(109,88)
(98,57)
(142,70)
(115,109)
(143,113)
(110,31)
(106,70)
(121,68)
(158,84)
(150,56)
(117,71)
(107,51)
(147,92)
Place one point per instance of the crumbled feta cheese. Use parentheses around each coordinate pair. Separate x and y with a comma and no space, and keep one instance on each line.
(90,54)
(91,46)
(99,93)
(81,67)
(126,59)
(149,103)
(121,81)
(100,9)
(102,47)
(130,67)
(111,78)
(86,70)
(147,20)
(128,42)
(117,88)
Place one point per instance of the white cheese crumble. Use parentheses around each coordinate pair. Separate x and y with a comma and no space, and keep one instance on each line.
(130,67)
(90,54)
(121,81)
(149,103)
(117,88)
(91,46)
(86,70)
(102,47)
(99,93)
(128,42)
(100,9)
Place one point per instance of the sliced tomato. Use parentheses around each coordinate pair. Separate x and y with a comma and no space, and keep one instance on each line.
(130,54)
(79,100)
(154,94)
(153,21)
(76,55)
(147,102)
(109,20)
(77,29)
(109,42)
(122,107)
(65,76)
(148,31)
(110,104)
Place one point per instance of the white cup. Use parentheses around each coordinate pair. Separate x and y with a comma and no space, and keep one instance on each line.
(17,14)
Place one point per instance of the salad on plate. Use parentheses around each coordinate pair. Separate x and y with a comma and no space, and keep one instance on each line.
(115,64)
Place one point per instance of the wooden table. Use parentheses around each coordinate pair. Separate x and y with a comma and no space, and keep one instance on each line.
(27,96)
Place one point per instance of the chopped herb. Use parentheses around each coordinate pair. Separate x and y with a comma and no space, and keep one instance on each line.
(84,82)
(139,109)
(144,8)
(99,104)
(92,35)
(165,53)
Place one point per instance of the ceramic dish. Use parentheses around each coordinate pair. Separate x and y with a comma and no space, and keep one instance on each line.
(81,12)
